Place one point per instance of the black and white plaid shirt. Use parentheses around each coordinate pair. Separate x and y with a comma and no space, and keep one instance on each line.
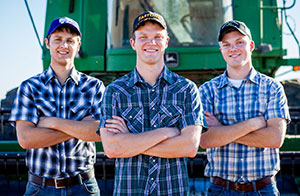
(43,96)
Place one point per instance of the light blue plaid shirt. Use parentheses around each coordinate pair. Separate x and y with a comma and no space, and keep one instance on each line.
(258,95)
(43,96)
(172,102)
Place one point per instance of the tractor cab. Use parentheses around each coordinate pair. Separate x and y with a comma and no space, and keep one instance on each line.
(189,22)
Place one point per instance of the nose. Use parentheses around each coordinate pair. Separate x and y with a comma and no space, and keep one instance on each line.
(233,46)
(64,44)
(151,41)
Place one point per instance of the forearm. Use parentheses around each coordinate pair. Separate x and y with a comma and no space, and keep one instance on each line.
(84,130)
(129,144)
(184,145)
(271,136)
(30,136)
(217,136)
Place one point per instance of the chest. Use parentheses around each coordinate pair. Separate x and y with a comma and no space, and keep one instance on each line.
(68,101)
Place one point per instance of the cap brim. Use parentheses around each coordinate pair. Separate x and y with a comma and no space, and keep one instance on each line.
(229,29)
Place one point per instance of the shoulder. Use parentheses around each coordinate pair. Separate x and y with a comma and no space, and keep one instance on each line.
(89,80)
(268,81)
(122,82)
(180,82)
(212,84)
(35,81)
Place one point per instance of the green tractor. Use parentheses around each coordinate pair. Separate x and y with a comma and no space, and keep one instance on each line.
(193,52)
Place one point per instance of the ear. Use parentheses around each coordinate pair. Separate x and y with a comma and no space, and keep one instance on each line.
(167,41)
(47,43)
(79,44)
(132,43)
(252,45)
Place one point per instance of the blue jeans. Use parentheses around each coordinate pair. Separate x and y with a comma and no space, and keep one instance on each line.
(268,190)
(88,187)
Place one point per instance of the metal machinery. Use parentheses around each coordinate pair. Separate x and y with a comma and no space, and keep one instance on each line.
(193,52)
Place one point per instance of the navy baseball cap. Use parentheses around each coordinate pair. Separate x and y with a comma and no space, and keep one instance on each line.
(148,16)
(234,25)
(63,21)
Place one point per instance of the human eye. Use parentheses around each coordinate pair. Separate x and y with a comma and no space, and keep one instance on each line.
(241,43)
(225,45)
(143,37)
(159,37)
(70,41)
(57,39)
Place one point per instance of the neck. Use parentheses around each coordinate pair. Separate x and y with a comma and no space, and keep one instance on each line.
(238,73)
(150,72)
(62,72)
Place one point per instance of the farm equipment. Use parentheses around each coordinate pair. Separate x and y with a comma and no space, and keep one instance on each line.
(193,52)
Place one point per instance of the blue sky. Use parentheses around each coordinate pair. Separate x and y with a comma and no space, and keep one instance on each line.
(21,55)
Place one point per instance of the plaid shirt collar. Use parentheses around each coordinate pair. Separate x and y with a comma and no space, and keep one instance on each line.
(165,74)
(49,75)
(253,77)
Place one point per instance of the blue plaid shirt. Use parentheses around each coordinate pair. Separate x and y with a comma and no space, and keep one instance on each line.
(43,96)
(258,95)
(172,102)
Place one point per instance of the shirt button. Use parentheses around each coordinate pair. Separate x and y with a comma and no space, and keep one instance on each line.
(154,125)
(153,108)
(130,116)
(152,179)
(152,90)
(154,160)
(62,107)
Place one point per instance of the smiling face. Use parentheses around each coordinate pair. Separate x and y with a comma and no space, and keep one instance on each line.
(63,47)
(150,42)
(237,49)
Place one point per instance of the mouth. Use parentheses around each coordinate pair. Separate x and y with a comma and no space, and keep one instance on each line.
(234,55)
(151,50)
(63,52)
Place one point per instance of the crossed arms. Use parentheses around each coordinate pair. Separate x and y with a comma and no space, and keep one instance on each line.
(52,130)
(166,142)
(255,132)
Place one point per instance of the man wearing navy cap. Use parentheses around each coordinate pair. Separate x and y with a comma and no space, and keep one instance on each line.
(151,118)
(56,116)
(246,113)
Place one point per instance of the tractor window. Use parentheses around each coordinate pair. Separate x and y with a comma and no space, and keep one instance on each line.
(190,22)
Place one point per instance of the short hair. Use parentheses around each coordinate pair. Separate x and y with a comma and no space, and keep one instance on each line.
(66,28)
(143,24)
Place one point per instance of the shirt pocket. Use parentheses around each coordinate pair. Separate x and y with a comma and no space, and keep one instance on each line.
(45,107)
(134,117)
(258,105)
(170,115)
(79,110)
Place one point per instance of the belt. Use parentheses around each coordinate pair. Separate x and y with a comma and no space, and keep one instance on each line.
(244,187)
(62,182)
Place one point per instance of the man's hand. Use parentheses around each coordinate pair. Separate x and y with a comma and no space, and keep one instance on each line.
(116,125)
(211,119)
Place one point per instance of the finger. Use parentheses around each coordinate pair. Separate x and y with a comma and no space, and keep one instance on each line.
(113,130)
(114,126)
(121,120)
(206,113)
(112,121)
